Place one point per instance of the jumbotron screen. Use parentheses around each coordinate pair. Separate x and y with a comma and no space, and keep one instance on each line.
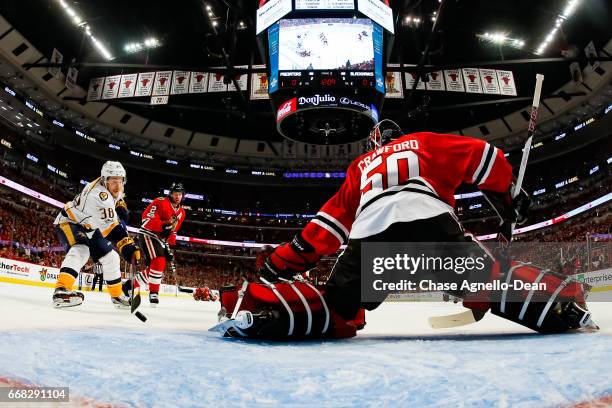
(326,44)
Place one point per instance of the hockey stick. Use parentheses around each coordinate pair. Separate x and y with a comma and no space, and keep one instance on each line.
(472,316)
(135,300)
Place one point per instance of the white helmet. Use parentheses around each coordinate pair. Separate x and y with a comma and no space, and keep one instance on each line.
(113,169)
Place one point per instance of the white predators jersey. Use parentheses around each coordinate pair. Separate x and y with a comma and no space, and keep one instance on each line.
(94,208)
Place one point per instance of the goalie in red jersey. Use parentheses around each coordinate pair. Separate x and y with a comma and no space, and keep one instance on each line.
(401,190)
(161,220)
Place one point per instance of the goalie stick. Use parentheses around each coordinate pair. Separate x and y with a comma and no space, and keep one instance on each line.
(472,316)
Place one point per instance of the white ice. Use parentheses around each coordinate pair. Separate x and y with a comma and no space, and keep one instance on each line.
(172,360)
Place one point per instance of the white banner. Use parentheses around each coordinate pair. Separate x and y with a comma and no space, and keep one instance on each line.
(488,78)
(215,83)
(259,84)
(393,83)
(198,82)
(436,81)
(163,79)
(472,80)
(243,81)
(506,82)
(71,78)
(111,87)
(56,58)
(94,93)
(145,84)
(313,152)
(454,80)
(180,82)
(289,149)
(128,85)
(410,78)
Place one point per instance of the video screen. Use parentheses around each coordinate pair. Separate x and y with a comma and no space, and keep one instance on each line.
(326,43)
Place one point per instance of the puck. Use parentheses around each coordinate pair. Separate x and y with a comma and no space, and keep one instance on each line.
(142,317)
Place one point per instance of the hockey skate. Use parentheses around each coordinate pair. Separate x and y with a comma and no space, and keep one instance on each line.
(121,302)
(153,299)
(245,322)
(63,297)
(578,317)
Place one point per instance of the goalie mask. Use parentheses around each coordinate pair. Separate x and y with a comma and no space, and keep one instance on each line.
(383,132)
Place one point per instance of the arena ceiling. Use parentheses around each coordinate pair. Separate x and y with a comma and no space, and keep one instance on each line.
(188,39)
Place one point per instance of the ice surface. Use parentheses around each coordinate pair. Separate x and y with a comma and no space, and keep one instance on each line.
(171,360)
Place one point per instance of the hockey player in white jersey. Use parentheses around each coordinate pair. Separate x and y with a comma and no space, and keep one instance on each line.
(88,226)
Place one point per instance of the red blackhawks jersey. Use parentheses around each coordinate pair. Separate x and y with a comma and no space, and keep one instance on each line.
(160,212)
(413,177)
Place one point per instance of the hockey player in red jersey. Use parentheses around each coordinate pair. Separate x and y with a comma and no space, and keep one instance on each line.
(160,222)
(402,190)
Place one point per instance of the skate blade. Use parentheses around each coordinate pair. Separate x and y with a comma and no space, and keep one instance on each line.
(121,307)
(60,304)
(153,305)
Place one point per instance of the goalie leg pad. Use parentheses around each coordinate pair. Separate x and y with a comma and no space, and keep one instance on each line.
(552,303)
(281,311)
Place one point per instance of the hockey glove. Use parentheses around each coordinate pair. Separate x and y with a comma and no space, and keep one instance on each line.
(166,231)
(169,254)
(129,250)
(510,210)
(288,260)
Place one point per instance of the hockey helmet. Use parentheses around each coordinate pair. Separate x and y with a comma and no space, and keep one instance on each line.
(177,188)
(382,133)
(113,169)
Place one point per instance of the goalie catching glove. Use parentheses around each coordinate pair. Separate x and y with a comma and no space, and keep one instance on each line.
(288,260)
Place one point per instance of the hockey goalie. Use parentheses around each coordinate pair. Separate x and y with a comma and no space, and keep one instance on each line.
(401,190)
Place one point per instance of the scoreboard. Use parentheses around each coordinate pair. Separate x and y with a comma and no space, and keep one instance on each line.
(326,80)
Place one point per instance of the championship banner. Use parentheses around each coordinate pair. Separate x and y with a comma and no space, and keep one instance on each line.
(94,93)
(393,83)
(472,80)
(340,151)
(410,78)
(56,58)
(111,87)
(145,84)
(313,151)
(259,85)
(162,83)
(128,85)
(215,83)
(488,78)
(180,82)
(243,80)
(198,82)
(436,81)
(506,82)
(71,78)
(289,149)
(454,80)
